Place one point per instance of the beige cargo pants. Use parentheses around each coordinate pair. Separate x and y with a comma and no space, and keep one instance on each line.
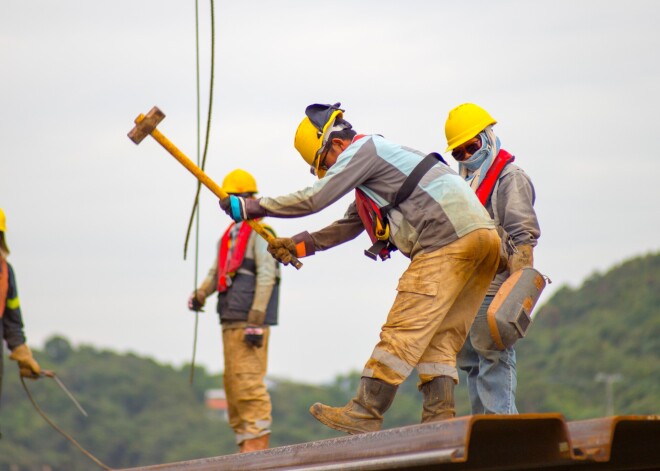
(248,401)
(438,296)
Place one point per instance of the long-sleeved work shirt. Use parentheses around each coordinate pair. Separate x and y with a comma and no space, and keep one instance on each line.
(11,320)
(512,207)
(441,209)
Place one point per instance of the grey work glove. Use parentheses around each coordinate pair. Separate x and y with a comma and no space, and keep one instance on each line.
(196,301)
(281,248)
(523,257)
(504,261)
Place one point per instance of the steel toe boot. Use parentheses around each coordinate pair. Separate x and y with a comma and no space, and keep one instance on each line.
(363,413)
(254,444)
(438,399)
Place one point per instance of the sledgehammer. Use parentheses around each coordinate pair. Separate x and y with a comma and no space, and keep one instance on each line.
(145,125)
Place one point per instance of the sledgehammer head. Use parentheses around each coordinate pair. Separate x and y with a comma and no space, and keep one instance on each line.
(144,125)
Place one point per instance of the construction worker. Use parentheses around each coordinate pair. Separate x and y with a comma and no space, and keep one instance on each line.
(508,195)
(246,278)
(11,327)
(435,219)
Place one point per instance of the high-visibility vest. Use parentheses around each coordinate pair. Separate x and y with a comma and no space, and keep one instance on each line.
(4,286)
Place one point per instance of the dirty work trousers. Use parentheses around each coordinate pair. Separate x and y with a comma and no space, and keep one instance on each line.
(248,401)
(438,297)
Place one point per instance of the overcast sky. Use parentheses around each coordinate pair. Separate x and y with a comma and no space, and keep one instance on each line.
(96,225)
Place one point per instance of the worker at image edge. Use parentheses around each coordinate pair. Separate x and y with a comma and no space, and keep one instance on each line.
(11,319)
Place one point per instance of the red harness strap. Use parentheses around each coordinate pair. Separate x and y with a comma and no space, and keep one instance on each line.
(375,225)
(4,286)
(226,265)
(488,183)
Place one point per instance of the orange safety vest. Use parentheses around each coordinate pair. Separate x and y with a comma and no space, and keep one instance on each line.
(486,186)
(4,286)
(227,266)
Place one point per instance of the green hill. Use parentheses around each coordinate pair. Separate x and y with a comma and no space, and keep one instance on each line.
(608,326)
(142,412)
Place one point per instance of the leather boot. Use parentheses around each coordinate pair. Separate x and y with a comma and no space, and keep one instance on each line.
(363,413)
(438,399)
(254,444)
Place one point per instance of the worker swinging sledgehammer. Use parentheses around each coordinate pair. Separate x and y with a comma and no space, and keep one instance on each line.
(146,125)
(434,218)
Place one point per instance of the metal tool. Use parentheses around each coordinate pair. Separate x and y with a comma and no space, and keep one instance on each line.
(51,374)
(146,125)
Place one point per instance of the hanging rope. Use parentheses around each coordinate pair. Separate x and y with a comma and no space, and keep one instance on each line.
(208,121)
(54,425)
(194,214)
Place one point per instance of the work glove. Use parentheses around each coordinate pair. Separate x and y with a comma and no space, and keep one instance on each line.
(196,301)
(253,335)
(255,317)
(522,257)
(234,206)
(504,261)
(281,248)
(28,366)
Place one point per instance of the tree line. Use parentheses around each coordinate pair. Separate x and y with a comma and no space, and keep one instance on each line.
(141,412)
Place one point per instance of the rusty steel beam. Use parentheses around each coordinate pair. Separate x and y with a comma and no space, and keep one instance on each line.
(472,442)
(480,442)
(623,442)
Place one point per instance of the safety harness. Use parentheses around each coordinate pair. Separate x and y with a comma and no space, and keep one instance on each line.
(374,217)
(227,266)
(485,189)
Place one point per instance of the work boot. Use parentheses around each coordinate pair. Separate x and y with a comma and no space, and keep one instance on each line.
(438,399)
(254,444)
(363,413)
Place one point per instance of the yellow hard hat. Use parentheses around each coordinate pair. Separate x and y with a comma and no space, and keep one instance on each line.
(313,131)
(464,122)
(3,229)
(239,181)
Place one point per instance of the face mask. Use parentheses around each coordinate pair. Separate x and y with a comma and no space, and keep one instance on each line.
(478,158)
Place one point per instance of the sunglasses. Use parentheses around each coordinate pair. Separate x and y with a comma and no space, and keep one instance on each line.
(460,152)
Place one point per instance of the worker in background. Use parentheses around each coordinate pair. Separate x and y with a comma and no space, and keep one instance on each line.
(437,221)
(11,327)
(246,278)
(508,195)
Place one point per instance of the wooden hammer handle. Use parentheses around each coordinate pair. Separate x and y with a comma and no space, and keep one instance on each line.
(207,182)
